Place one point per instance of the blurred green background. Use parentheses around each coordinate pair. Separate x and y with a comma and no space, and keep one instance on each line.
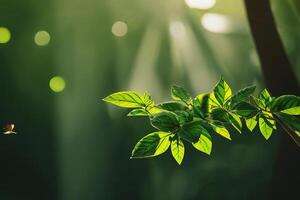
(70,145)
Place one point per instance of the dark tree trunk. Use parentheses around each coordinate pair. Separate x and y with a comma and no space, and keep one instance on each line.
(279,79)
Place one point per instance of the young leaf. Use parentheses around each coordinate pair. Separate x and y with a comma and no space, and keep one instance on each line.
(288,104)
(235,122)
(151,145)
(173,106)
(245,109)
(147,99)
(178,93)
(126,99)
(265,97)
(251,123)
(241,95)
(204,143)
(192,131)
(138,112)
(201,105)
(222,92)
(177,148)
(165,121)
(221,130)
(265,128)
(153,110)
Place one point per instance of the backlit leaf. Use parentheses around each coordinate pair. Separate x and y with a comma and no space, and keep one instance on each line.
(235,122)
(221,130)
(126,99)
(251,123)
(289,104)
(245,109)
(192,131)
(165,121)
(177,149)
(222,92)
(151,145)
(242,95)
(265,128)
(204,144)
(178,93)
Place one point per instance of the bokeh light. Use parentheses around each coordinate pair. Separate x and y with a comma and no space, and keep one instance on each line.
(119,29)
(42,38)
(4,35)
(216,23)
(200,4)
(57,84)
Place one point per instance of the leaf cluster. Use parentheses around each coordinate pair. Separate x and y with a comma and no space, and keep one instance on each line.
(194,120)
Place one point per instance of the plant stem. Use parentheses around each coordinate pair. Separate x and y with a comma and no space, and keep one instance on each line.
(288,129)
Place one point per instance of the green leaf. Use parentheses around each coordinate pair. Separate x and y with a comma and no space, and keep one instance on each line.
(242,95)
(153,110)
(204,144)
(151,145)
(265,128)
(184,116)
(177,148)
(173,106)
(201,105)
(221,130)
(251,123)
(126,99)
(289,104)
(235,122)
(192,131)
(165,121)
(219,114)
(178,93)
(147,99)
(222,92)
(265,98)
(245,109)
(138,112)
(292,121)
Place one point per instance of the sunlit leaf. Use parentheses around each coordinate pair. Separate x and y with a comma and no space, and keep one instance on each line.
(235,122)
(153,110)
(221,130)
(126,99)
(289,104)
(241,95)
(245,109)
(177,149)
(222,92)
(204,144)
(192,131)
(165,121)
(201,105)
(219,114)
(147,99)
(251,123)
(173,106)
(138,112)
(151,145)
(184,116)
(265,98)
(178,93)
(265,128)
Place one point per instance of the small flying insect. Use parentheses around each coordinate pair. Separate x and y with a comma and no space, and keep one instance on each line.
(9,129)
